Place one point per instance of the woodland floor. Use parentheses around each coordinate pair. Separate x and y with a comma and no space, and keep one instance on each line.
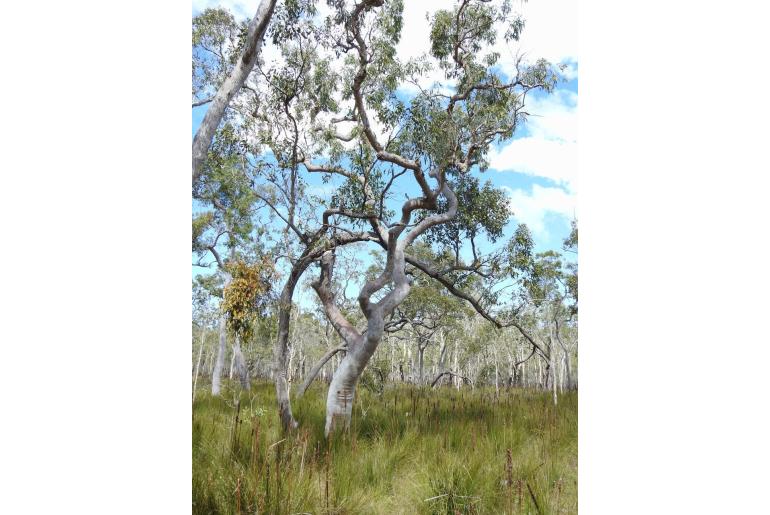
(410,450)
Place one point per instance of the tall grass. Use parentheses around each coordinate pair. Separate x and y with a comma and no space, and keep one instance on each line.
(409,450)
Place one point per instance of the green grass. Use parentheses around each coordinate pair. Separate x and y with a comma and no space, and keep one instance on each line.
(410,450)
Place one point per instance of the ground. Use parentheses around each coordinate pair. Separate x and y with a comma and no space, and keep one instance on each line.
(409,450)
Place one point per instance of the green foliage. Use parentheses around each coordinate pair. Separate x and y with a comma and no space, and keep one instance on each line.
(463,32)
(225,190)
(519,251)
(542,282)
(410,450)
(216,37)
(286,22)
(200,224)
(211,284)
(480,208)
(571,245)
(571,242)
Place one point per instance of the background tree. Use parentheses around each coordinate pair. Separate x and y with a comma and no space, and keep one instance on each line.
(223,229)
(212,31)
(205,315)
(245,298)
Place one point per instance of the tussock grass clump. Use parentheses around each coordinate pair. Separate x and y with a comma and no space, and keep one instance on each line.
(409,450)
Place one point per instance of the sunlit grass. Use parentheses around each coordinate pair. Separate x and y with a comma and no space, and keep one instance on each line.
(410,450)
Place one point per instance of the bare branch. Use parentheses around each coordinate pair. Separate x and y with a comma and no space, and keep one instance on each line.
(317,368)
(322,286)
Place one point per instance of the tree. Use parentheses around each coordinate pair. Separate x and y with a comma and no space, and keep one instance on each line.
(427,312)
(204,317)
(224,224)
(443,135)
(244,300)
(209,28)
(546,282)
(343,73)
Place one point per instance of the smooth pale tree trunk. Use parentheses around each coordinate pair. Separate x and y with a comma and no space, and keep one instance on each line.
(216,376)
(198,365)
(566,359)
(497,372)
(339,402)
(281,348)
(567,372)
(421,362)
(540,380)
(231,85)
(552,368)
(240,365)
(455,380)
(289,366)
(442,353)
(232,365)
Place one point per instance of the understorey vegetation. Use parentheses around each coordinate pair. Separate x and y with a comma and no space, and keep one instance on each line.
(409,450)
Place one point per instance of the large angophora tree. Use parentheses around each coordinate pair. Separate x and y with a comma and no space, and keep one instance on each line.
(440,137)
(340,104)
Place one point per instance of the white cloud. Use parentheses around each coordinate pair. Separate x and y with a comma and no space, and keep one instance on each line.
(323,191)
(550,32)
(553,116)
(533,207)
(550,149)
(240,9)
(550,152)
(550,29)
(553,160)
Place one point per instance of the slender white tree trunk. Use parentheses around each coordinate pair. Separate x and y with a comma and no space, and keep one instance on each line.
(216,376)
(497,372)
(552,368)
(421,363)
(198,365)
(240,365)
(231,85)
(456,380)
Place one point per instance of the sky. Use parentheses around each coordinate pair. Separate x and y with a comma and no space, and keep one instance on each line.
(538,167)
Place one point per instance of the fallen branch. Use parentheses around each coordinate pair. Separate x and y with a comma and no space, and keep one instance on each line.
(317,368)
(442,374)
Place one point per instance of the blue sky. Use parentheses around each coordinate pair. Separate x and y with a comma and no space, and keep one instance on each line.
(538,167)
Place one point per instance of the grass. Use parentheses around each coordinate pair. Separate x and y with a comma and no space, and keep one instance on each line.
(409,450)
